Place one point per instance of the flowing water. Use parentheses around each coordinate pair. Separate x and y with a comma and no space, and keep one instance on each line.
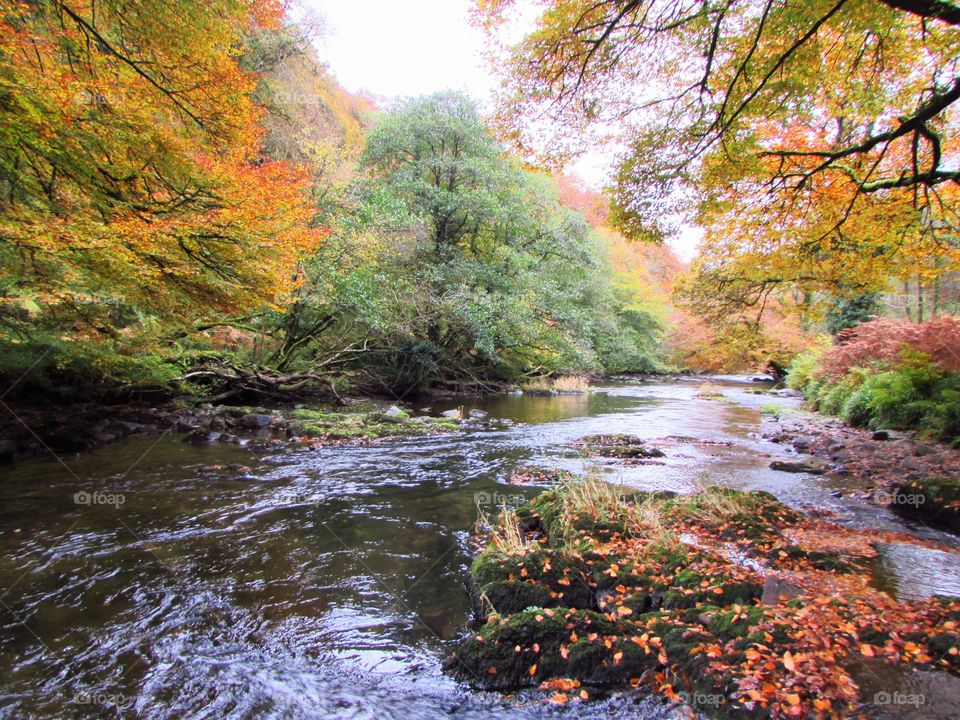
(139,580)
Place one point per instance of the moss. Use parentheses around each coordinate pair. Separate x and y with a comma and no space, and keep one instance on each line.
(312,430)
(563,576)
(729,624)
(507,598)
(304,414)
(692,585)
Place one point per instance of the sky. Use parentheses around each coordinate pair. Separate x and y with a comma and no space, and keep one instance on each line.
(394,49)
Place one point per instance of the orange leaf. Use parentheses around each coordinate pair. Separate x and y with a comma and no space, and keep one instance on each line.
(788,661)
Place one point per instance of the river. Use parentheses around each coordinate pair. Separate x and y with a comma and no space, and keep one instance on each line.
(320,583)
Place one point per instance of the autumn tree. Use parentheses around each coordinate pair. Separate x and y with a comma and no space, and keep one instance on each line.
(134,190)
(812,140)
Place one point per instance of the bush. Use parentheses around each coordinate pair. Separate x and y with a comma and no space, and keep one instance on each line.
(885,342)
(913,392)
(804,374)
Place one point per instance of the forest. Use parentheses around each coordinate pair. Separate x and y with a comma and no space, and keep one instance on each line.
(182,206)
(204,233)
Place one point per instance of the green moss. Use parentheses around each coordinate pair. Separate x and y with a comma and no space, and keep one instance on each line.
(564,577)
(507,598)
(304,414)
(312,430)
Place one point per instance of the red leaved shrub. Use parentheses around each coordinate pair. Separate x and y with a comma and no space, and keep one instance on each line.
(884,339)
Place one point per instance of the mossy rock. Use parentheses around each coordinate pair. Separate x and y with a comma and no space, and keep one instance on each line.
(726,624)
(540,635)
(932,501)
(312,430)
(563,576)
(507,598)
(753,520)
(305,414)
(621,446)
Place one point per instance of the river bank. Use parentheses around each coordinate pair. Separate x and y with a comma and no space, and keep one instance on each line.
(914,477)
(30,429)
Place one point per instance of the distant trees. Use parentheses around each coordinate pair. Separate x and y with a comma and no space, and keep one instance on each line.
(461,266)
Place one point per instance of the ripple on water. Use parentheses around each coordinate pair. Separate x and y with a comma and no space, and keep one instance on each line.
(911,572)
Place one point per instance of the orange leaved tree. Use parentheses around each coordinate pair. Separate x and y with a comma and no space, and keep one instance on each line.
(132,191)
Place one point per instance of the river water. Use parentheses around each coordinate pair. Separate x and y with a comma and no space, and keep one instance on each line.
(320,583)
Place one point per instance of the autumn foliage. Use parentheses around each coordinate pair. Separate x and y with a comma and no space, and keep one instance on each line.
(130,165)
(884,340)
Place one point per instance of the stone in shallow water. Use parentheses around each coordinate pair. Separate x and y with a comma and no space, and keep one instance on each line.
(797,467)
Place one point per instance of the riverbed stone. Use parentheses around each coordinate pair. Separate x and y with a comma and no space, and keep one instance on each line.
(394,412)
(254,421)
(797,467)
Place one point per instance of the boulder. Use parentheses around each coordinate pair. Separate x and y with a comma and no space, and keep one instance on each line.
(255,421)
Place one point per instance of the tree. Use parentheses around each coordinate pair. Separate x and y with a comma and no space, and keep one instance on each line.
(135,200)
(454,264)
(679,80)
(811,140)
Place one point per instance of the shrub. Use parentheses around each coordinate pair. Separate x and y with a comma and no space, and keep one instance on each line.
(910,390)
(804,373)
(883,342)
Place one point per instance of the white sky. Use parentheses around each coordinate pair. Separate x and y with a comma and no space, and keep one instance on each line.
(393,48)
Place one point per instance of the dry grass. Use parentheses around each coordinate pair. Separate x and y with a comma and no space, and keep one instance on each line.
(565,384)
(505,534)
(711,506)
(571,383)
(594,496)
